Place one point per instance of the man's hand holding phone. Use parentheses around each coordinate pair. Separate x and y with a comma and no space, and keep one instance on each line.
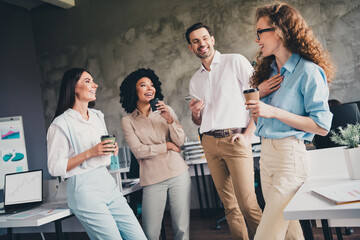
(196,105)
(190,97)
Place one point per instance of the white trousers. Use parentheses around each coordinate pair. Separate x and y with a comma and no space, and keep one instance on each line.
(177,190)
(96,201)
(283,168)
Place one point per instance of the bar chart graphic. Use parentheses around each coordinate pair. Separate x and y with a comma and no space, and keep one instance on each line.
(13,133)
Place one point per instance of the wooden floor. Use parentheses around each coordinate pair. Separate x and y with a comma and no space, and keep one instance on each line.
(201,228)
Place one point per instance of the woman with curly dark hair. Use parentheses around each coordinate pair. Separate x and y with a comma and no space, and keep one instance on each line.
(155,138)
(290,115)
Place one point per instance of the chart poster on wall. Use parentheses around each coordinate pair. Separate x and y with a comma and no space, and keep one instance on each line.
(12,147)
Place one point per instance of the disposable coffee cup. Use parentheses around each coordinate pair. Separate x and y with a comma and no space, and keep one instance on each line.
(153,103)
(108,137)
(251,94)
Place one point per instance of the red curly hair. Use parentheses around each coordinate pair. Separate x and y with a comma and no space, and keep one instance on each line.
(296,36)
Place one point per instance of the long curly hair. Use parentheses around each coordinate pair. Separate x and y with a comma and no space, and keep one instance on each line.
(128,94)
(296,36)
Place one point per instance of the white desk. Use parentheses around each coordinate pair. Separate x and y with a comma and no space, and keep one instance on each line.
(328,168)
(309,205)
(45,213)
(55,211)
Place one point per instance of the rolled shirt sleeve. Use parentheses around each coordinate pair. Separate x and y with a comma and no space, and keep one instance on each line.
(315,90)
(58,148)
(244,71)
(177,133)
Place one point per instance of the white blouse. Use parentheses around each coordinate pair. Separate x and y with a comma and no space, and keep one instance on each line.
(60,148)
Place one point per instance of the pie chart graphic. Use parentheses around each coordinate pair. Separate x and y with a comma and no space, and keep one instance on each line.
(14,157)
(7,157)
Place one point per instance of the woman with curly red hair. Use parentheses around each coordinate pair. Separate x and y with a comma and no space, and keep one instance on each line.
(290,115)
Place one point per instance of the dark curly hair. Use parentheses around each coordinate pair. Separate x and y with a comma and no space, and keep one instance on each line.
(128,95)
(297,37)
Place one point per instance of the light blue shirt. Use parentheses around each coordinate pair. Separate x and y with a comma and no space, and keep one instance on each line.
(304,92)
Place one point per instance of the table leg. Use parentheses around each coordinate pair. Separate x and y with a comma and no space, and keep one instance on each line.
(205,187)
(198,189)
(9,234)
(216,196)
(58,230)
(326,230)
(307,230)
(339,233)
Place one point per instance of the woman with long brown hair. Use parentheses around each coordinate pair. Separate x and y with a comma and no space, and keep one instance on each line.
(290,115)
(76,153)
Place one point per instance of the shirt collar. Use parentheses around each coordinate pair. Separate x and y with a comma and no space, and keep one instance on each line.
(77,115)
(215,60)
(288,66)
(136,113)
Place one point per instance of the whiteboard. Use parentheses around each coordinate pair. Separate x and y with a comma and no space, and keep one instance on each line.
(13,156)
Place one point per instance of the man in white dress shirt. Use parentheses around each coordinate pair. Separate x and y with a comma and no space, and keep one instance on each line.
(226,127)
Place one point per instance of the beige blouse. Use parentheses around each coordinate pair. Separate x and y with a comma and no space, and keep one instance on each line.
(147,137)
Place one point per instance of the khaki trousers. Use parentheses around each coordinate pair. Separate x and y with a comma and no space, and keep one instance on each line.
(283,168)
(232,169)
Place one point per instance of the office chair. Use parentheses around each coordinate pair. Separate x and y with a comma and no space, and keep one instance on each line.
(343,114)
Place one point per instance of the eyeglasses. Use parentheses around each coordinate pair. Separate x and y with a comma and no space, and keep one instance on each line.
(258,32)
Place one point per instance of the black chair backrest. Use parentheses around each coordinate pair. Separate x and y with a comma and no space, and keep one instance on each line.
(134,167)
(347,113)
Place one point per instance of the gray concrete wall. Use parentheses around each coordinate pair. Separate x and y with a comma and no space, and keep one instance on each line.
(112,38)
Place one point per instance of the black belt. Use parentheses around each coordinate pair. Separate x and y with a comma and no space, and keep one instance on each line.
(225,132)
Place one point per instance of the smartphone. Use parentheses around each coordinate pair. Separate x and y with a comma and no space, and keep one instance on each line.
(189,98)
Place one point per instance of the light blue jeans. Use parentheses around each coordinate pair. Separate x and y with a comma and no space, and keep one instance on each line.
(96,201)
(177,189)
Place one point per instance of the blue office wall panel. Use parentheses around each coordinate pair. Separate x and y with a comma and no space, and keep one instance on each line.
(20,92)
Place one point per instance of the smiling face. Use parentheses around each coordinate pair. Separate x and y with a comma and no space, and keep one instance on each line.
(201,43)
(145,90)
(269,41)
(85,89)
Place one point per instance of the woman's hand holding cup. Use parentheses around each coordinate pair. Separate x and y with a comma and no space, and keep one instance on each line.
(260,109)
(251,97)
(102,148)
(109,145)
(164,111)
